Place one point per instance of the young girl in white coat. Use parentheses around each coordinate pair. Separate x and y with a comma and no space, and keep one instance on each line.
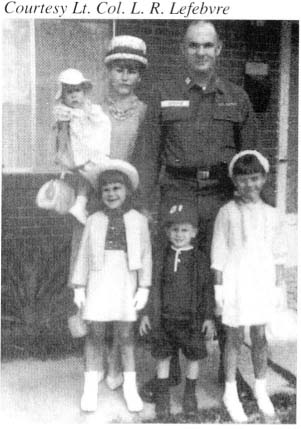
(112,276)
(247,257)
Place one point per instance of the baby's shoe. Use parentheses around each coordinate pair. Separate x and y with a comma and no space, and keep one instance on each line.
(89,398)
(78,210)
(133,401)
(263,401)
(233,404)
(114,381)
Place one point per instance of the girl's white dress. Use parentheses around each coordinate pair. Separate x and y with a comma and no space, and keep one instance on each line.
(247,243)
(111,277)
(110,291)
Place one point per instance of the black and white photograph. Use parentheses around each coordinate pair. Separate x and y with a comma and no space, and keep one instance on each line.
(166,146)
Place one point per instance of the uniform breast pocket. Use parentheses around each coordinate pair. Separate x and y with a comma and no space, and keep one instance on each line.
(227,113)
(175,114)
(225,129)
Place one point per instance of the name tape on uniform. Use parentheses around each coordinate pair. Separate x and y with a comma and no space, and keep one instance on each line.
(175,103)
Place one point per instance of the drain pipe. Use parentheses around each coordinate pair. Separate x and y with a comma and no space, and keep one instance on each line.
(285,61)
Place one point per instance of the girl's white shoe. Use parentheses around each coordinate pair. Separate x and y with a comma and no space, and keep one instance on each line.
(263,401)
(113,382)
(233,404)
(88,401)
(133,401)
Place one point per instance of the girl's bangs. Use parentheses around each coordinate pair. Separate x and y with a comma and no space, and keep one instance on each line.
(248,164)
(114,176)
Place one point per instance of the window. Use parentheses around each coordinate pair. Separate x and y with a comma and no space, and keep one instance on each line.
(17,95)
(35,52)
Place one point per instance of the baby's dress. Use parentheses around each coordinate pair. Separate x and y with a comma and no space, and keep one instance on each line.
(110,291)
(90,132)
(247,243)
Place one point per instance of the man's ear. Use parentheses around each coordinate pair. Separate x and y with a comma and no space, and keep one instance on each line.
(182,48)
(219,47)
(195,232)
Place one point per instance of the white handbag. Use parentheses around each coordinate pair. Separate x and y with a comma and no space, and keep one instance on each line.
(56,195)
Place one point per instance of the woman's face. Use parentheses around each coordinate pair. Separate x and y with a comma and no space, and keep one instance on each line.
(123,78)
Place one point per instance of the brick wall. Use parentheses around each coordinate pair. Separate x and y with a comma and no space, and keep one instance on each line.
(22,220)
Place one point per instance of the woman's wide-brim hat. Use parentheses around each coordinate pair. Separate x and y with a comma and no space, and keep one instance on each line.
(72,77)
(126,48)
(261,159)
(56,195)
(124,167)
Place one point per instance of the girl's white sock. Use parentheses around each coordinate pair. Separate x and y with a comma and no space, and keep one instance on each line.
(231,389)
(233,404)
(130,392)
(263,401)
(89,397)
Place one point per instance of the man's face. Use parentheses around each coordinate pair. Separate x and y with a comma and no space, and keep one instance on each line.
(201,48)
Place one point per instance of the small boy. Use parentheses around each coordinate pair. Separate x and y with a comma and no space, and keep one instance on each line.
(83,133)
(181,307)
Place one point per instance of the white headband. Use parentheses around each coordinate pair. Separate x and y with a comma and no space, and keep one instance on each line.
(262,160)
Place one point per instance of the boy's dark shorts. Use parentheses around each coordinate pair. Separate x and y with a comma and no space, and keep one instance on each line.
(173,335)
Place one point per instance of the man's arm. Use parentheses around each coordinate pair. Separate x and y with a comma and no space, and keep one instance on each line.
(147,152)
(248,128)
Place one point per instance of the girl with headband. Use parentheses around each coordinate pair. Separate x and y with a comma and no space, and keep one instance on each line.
(247,262)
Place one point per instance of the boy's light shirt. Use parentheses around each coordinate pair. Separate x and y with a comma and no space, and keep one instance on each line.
(177,256)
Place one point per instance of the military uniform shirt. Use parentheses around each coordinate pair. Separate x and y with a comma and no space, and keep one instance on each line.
(188,126)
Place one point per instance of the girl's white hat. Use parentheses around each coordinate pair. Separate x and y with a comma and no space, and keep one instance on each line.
(126,48)
(71,77)
(124,167)
(262,160)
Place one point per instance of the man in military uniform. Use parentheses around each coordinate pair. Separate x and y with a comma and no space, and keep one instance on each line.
(196,122)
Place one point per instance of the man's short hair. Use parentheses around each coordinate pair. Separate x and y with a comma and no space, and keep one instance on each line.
(202,22)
